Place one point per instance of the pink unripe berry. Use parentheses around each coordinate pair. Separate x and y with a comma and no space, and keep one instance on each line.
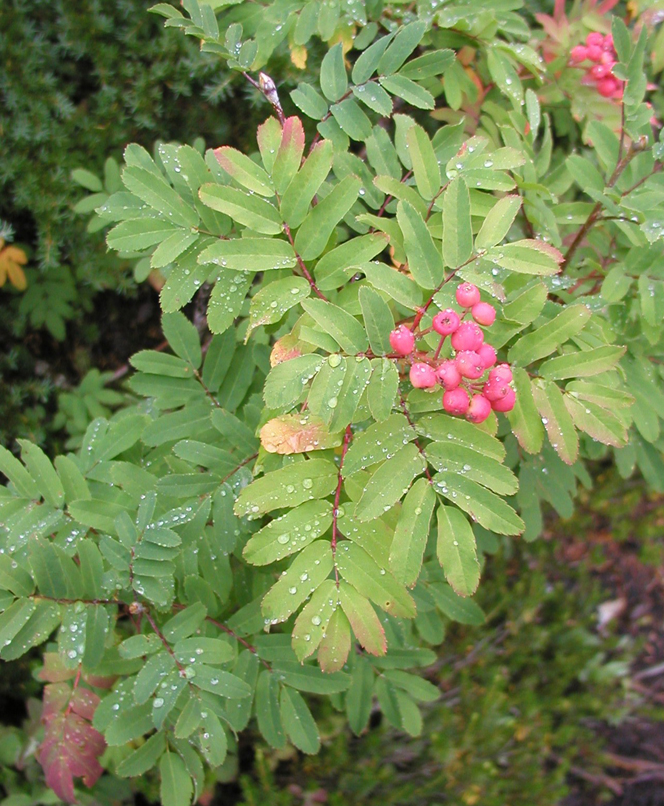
(468,336)
(402,340)
(422,376)
(598,71)
(446,322)
(607,86)
(479,409)
(448,375)
(487,355)
(469,365)
(595,38)
(506,403)
(501,374)
(578,54)
(495,390)
(607,44)
(456,401)
(483,313)
(467,295)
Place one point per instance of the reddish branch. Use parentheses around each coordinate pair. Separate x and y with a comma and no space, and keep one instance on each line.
(303,268)
(348,436)
(402,400)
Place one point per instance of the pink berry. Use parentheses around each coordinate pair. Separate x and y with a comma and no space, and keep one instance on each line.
(483,313)
(487,355)
(495,390)
(506,403)
(598,71)
(607,58)
(468,336)
(594,38)
(469,365)
(467,295)
(607,44)
(456,401)
(594,53)
(607,86)
(479,409)
(422,376)
(448,375)
(402,340)
(578,54)
(446,322)
(501,374)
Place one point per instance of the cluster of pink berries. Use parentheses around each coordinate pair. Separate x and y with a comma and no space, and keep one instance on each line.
(473,357)
(599,50)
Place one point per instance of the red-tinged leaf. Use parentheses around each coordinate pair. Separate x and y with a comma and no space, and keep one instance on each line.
(363,619)
(71,746)
(98,681)
(56,697)
(84,703)
(54,670)
(335,646)
(70,749)
(297,433)
(290,152)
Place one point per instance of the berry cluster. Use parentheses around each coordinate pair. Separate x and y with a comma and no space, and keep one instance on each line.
(599,50)
(465,394)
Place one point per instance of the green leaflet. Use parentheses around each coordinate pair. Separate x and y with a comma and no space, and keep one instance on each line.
(389,483)
(244,170)
(41,470)
(524,418)
(358,372)
(298,722)
(310,678)
(378,320)
(366,64)
(311,623)
(424,260)
(267,710)
(451,430)
(399,287)
(377,443)
(139,233)
(482,505)
(526,257)
(304,575)
(411,92)
(286,382)
(364,574)
(344,328)
(352,120)
(176,785)
(317,227)
(599,423)
(404,43)
(582,364)
(18,475)
(325,391)
(527,305)
(251,211)
(289,533)
(334,647)
(288,487)
(275,299)
(457,551)
(363,620)
(156,192)
(557,420)
(183,337)
(306,183)
(333,79)
(457,229)
(412,532)
(337,265)
(498,222)
(144,758)
(476,466)
(425,164)
(465,611)
(358,696)
(548,337)
(382,388)
(41,623)
(250,254)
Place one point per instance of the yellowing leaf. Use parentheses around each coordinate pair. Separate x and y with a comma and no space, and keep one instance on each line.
(297,433)
(299,57)
(11,260)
